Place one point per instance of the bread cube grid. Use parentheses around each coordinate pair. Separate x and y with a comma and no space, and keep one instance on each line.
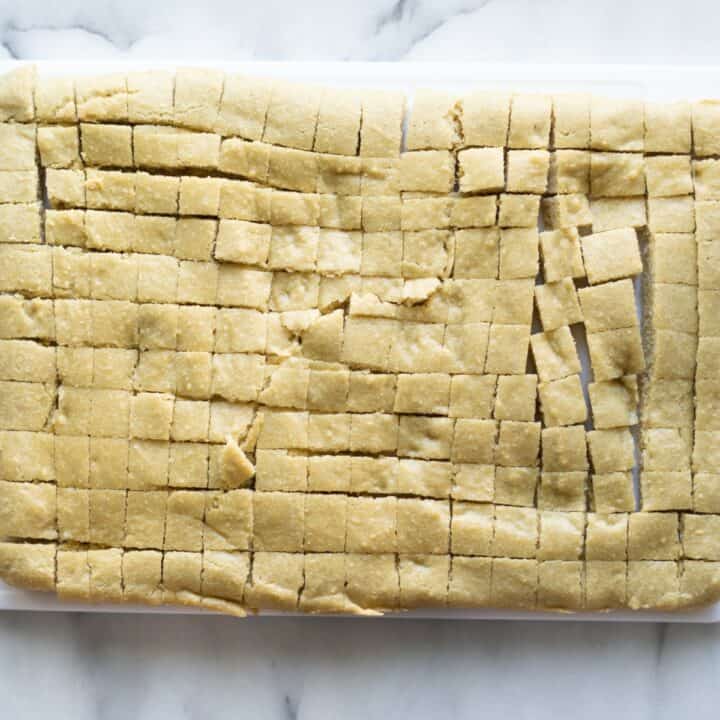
(540,570)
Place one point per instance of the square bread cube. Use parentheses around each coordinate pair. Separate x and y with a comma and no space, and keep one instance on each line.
(65,188)
(472,528)
(71,574)
(373,475)
(423,526)
(700,536)
(477,253)
(514,583)
(107,517)
(474,441)
(373,581)
(665,449)
(55,99)
(196,98)
(518,210)
(28,510)
(150,96)
(473,211)
(560,584)
(188,465)
(432,121)
(425,437)
(198,282)
(518,444)
(669,403)
(110,190)
(109,462)
(423,580)
(565,211)
(617,174)
(605,584)
(338,124)
(427,171)
(527,171)
(381,213)
(156,194)
(563,491)
(329,432)
(555,354)
(707,219)
(564,449)
(569,172)
(292,115)
(382,119)
(513,301)
(670,175)
(147,464)
(561,254)
(485,118)
(616,124)
(293,248)
(145,519)
(562,401)
(609,306)
(507,349)
(381,253)
(228,520)
(614,402)
(27,456)
(59,147)
(615,353)
(371,525)
(278,521)
(530,121)
(611,255)
(276,581)
(243,106)
(515,398)
(515,532)
(616,213)
(653,536)
(150,416)
(518,253)
(671,215)
(611,450)
(557,304)
(571,120)
(190,420)
(674,307)
(706,176)
(422,213)
(291,208)
(561,535)
(674,355)
(423,394)
(425,478)
(473,482)
(481,170)
(106,145)
(667,127)
(278,470)
(606,536)
(705,120)
(515,486)
(472,395)
(613,492)
(666,490)
(325,523)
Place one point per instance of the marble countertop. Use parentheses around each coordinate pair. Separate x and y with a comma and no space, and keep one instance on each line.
(97,666)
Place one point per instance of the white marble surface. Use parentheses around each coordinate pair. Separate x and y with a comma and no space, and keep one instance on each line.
(94,667)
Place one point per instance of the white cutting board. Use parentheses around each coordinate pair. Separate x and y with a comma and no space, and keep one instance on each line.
(646,82)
